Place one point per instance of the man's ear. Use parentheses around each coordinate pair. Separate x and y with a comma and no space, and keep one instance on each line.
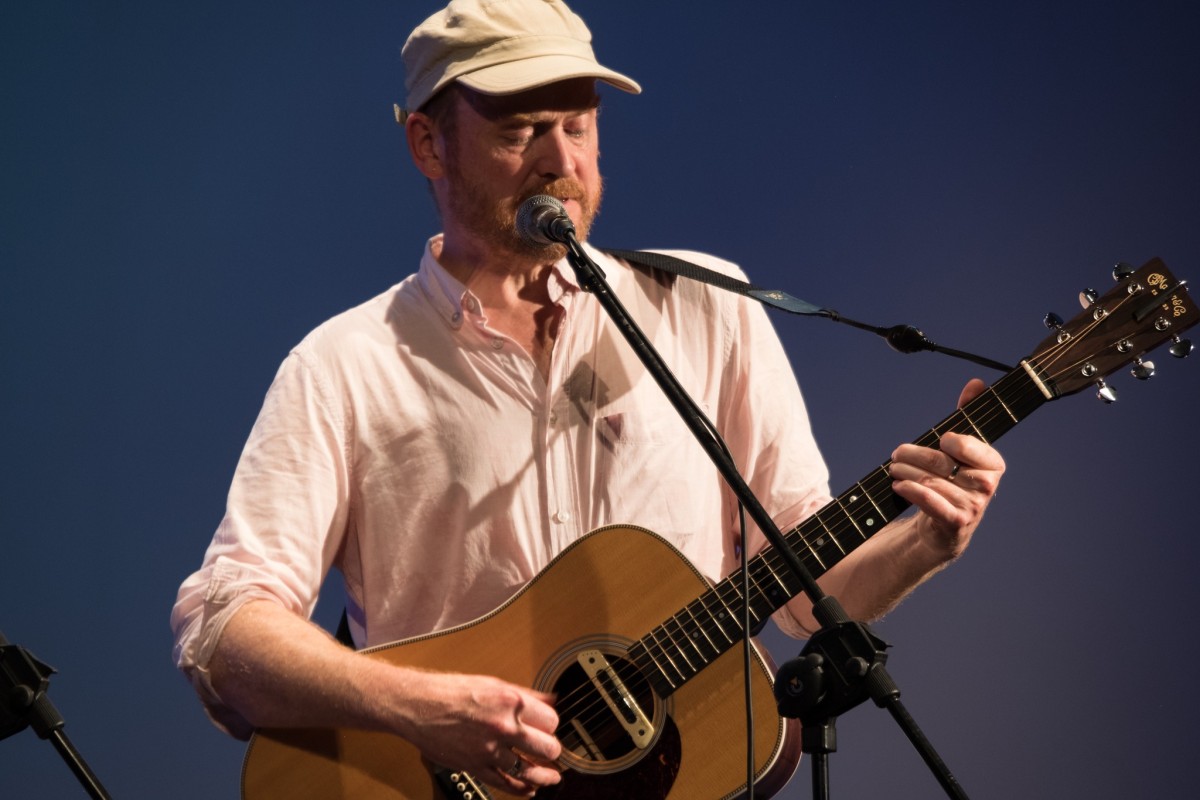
(424,145)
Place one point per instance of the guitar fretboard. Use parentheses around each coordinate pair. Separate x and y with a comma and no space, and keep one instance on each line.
(680,647)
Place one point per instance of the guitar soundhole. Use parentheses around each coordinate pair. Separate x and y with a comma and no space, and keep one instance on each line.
(609,717)
(617,735)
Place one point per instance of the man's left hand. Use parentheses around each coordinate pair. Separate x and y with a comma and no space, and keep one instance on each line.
(950,486)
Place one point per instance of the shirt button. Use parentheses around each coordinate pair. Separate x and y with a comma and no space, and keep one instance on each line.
(562,516)
(553,417)
(497,343)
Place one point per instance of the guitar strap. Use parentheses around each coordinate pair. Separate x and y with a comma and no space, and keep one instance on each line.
(678,266)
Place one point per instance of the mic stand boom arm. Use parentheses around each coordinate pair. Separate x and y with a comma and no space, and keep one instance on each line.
(856,656)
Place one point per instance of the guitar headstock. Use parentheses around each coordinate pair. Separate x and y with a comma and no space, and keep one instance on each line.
(1146,308)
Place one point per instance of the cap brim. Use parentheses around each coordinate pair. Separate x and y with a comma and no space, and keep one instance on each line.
(530,73)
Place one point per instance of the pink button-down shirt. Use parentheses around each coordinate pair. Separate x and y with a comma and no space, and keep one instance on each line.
(419,451)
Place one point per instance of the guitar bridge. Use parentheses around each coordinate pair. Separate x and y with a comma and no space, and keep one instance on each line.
(459,785)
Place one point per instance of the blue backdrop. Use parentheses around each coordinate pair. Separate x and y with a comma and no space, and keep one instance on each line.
(188,188)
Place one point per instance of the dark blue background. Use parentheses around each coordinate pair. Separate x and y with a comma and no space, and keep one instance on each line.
(188,188)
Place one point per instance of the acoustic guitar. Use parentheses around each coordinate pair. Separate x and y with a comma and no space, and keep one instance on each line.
(639,648)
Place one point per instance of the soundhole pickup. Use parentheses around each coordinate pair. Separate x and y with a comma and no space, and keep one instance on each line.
(617,697)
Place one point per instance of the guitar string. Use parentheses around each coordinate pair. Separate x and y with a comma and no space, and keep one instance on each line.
(726,591)
(837,532)
(1047,362)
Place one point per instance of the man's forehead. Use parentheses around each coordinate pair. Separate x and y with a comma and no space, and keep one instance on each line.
(578,94)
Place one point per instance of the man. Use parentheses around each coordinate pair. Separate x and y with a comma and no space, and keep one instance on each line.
(441,443)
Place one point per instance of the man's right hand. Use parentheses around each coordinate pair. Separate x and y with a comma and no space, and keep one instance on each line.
(275,669)
(501,733)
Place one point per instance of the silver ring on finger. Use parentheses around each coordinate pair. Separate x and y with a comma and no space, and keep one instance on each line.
(515,769)
(954,471)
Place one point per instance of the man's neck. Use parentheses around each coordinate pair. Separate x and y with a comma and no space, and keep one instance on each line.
(513,290)
(497,276)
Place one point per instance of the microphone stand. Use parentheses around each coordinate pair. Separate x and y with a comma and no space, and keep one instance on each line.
(23,702)
(845,664)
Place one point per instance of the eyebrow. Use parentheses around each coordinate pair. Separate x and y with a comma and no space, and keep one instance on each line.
(534,117)
(491,108)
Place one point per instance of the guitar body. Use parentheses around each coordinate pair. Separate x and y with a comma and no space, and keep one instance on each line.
(600,595)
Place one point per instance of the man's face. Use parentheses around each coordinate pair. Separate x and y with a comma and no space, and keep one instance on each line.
(505,149)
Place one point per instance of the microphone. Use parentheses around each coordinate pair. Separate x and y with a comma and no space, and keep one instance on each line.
(542,220)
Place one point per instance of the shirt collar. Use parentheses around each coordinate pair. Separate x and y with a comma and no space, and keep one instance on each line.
(454,302)
(444,291)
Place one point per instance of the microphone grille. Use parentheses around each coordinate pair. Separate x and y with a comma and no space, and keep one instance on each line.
(529,214)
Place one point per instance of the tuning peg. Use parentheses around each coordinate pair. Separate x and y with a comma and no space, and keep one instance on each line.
(1180,348)
(1106,392)
(1088,296)
(1142,370)
(1121,271)
(1055,323)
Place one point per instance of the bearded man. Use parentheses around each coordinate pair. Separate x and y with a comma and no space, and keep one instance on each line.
(443,442)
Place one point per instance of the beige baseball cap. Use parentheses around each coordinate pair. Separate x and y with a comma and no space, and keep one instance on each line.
(501,47)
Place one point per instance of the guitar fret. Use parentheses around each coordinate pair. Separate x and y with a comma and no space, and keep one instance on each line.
(853,498)
(760,598)
(867,523)
(682,631)
(682,651)
(945,426)
(711,616)
(778,580)
(833,535)
(812,550)
(723,615)
(733,584)
(640,654)
(781,590)
(679,677)
(700,627)
(827,531)
(974,427)
(678,654)
(1004,405)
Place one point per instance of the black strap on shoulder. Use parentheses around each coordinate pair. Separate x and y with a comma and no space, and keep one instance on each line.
(679,266)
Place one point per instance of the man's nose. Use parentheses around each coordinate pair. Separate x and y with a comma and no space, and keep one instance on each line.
(556,155)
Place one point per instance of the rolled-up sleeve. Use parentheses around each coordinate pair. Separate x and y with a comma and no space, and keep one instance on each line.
(284,523)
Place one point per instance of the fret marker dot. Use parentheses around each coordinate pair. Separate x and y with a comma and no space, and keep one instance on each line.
(870,522)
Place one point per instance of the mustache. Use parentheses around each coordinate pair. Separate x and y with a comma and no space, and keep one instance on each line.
(562,188)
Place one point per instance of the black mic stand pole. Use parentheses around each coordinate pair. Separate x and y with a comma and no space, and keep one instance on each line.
(849,653)
(23,702)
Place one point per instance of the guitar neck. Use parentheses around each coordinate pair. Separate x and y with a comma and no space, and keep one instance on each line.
(679,648)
